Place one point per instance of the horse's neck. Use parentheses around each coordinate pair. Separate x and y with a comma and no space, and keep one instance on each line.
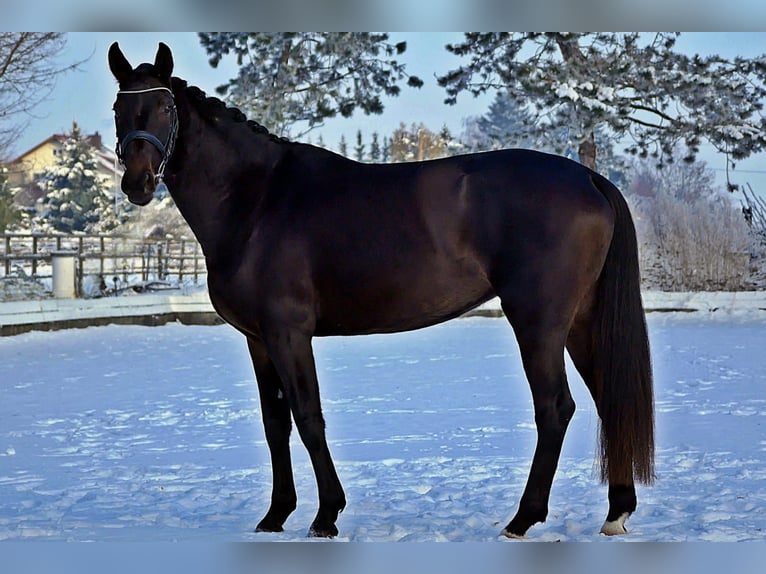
(202,183)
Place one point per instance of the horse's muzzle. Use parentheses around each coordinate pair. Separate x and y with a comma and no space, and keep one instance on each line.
(140,191)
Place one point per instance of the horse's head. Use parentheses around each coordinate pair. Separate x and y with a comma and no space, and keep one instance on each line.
(146,120)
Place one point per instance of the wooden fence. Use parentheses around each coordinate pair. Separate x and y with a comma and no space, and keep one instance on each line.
(111,262)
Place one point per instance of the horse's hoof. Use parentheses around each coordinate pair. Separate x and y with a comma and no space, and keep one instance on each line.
(265,527)
(615,527)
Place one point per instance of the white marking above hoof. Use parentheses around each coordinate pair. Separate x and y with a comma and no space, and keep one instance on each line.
(615,527)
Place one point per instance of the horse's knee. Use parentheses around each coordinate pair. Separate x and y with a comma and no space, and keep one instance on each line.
(311,429)
(277,430)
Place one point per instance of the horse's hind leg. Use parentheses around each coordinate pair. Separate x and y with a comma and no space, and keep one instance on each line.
(276,422)
(541,343)
(622,497)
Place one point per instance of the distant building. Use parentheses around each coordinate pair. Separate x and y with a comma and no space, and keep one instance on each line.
(22,170)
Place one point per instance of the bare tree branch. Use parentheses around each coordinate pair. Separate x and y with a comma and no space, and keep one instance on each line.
(29,69)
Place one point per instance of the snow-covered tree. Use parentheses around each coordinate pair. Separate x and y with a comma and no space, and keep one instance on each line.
(634,84)
(9,213)
(692,234)
(507,124)
(77,197)
(292,81)
(417,142)
(687,182)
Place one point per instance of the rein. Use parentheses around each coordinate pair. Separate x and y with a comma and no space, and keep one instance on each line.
(165,149)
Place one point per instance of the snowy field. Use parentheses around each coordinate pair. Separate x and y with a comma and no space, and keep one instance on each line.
(146,434)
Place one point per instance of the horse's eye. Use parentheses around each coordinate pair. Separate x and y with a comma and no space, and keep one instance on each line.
(167,109)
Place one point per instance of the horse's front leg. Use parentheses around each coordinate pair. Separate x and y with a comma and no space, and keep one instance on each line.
(276,422)
(290,350)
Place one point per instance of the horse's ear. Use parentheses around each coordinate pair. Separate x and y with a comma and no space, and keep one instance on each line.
(163,63)
(118,63)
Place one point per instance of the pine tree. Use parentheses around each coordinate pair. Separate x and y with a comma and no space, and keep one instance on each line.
(375,152)
(9,213)
(386,152)
(359,148)
(292,81)
(343,146)
(505,124)
(77,198)
(635,85)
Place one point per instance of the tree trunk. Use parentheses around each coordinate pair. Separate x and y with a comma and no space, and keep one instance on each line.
(587,152)
(573,56)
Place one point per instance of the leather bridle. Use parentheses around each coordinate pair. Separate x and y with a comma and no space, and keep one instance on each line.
(165,149)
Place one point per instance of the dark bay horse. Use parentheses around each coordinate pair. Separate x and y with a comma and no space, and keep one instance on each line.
(301,242)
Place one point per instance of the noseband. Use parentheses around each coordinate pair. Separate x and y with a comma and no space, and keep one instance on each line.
(165,149)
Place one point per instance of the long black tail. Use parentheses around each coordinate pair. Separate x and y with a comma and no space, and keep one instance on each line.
(622,364)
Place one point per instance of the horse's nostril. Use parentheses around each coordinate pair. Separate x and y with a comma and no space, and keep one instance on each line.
(148,183)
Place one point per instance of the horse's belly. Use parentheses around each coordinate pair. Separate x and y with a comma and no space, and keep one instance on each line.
(400,309)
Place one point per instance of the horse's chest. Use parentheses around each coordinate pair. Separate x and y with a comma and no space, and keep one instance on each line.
(232,304)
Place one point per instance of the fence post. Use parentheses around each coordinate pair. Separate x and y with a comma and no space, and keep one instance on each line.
(181,262)
(34,253)
(147,263)
(101,259)
(63,264)
(160,266)
(7,255)
(196,261)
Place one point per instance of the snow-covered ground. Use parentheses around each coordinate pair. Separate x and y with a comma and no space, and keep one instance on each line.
(126,433)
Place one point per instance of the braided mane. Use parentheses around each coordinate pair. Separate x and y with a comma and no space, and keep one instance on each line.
(217,108)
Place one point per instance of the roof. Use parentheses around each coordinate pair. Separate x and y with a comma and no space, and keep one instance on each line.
(54,137)
(95,140)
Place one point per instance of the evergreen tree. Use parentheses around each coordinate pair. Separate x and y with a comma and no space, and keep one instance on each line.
(343,146)
(77,198)
(375,152)
(359,148)
(636,85)
(292,81)
(506,124)
(9,213)
(386,151)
